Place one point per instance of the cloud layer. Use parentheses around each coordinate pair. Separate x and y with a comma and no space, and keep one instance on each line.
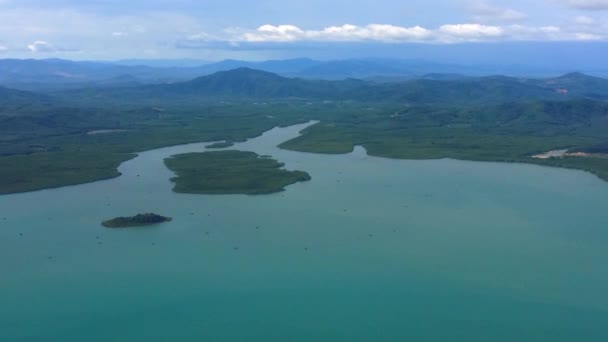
(384,33)
(109,29)
(347,33)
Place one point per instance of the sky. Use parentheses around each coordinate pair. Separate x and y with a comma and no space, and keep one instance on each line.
(273,29)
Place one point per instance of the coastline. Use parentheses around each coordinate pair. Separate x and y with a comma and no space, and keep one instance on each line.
(567,160)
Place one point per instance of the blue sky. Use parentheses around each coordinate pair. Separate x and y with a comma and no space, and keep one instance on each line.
(212,30)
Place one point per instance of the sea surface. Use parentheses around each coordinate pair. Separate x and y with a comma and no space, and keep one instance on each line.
(371,249)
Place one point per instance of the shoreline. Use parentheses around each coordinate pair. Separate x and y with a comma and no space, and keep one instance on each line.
(551,161)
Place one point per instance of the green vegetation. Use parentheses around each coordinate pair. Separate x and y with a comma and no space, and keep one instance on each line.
(21,173)
(596,165)
(508,133)
(230,172)
(259,86)
(49,148)
(138,220)
(44,141)
(220,145)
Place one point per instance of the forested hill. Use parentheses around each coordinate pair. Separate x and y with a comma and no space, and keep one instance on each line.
(245,83)
(13,102)
(255,85)
(8,95)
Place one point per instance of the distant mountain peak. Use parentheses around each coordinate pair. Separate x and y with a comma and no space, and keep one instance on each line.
(240,81)
(579,77)
(241,74)
(248,70)
(575,76)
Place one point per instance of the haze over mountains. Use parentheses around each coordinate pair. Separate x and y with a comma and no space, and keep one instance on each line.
(256,85)
(250,83)
(49,74)
(75,96)
(251,86)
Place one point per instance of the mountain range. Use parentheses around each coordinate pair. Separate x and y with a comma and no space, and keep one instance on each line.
(255,85)
(57,74)
(246,83)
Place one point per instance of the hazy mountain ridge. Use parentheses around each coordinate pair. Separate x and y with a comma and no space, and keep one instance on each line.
(249,83)
(246,82)
(53,74)
(524,105)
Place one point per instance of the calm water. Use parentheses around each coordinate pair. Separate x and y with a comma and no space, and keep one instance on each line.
(370,250)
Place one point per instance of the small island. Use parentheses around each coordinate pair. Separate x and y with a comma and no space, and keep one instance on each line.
(230,172)
(223,144)
(138,220)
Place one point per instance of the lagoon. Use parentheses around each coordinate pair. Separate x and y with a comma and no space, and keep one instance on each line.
(371,249)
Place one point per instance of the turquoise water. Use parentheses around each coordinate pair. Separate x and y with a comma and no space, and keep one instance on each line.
(370,250)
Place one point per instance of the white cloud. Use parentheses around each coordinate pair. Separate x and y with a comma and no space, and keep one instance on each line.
(3,48)
(345,33)
(592,5)
(270,33)
(484,12)
(471,32)
(41,46)
(451,33)
(377,32)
